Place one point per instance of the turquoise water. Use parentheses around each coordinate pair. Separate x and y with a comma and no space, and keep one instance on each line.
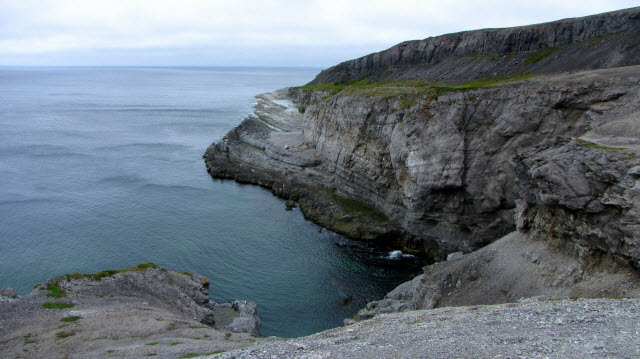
(101,168)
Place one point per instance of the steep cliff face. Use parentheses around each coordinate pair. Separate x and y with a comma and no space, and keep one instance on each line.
(437,165)
(593,42)
(440,166)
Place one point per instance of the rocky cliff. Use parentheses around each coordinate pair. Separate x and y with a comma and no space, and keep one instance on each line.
(433,167)
(526,138)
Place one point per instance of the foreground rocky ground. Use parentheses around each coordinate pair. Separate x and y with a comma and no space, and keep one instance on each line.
(533,328)
(143,311)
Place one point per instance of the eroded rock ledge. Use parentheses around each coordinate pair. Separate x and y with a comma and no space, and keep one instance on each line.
(133,313)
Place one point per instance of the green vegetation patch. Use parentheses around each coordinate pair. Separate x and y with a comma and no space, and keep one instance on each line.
(598,147)
(194,355)
(483,83)
(151,344)
(70,319)
(62,335)
(411,90)
(57,305)
(540,55)
(55,290)
(109,273)
(367,88)
(189,273)
(352,206)
(175,343)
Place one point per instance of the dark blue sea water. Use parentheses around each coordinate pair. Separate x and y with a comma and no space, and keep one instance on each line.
(101,168)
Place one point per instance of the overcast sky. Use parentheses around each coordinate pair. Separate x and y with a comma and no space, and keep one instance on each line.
(247,32)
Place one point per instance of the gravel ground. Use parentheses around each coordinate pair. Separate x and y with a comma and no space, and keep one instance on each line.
(533,328)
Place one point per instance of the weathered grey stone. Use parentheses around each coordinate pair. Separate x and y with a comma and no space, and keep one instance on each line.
(584,196)
(454,256)
(513,267)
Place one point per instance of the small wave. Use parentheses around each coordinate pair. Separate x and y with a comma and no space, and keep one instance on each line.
(41,150)
(397,254)
(174,187)
(122,179)
(28,201)
(157,146)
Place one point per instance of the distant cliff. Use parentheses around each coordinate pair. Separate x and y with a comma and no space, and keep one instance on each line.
(594,42)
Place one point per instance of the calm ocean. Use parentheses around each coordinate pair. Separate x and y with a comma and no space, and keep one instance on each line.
(101,168)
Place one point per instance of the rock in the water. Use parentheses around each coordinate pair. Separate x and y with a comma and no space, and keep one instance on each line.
(290,204)
(9,293)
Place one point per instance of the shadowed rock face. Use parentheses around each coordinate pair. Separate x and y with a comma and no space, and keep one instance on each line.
(593,42)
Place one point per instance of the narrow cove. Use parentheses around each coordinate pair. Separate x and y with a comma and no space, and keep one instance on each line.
(102,170)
